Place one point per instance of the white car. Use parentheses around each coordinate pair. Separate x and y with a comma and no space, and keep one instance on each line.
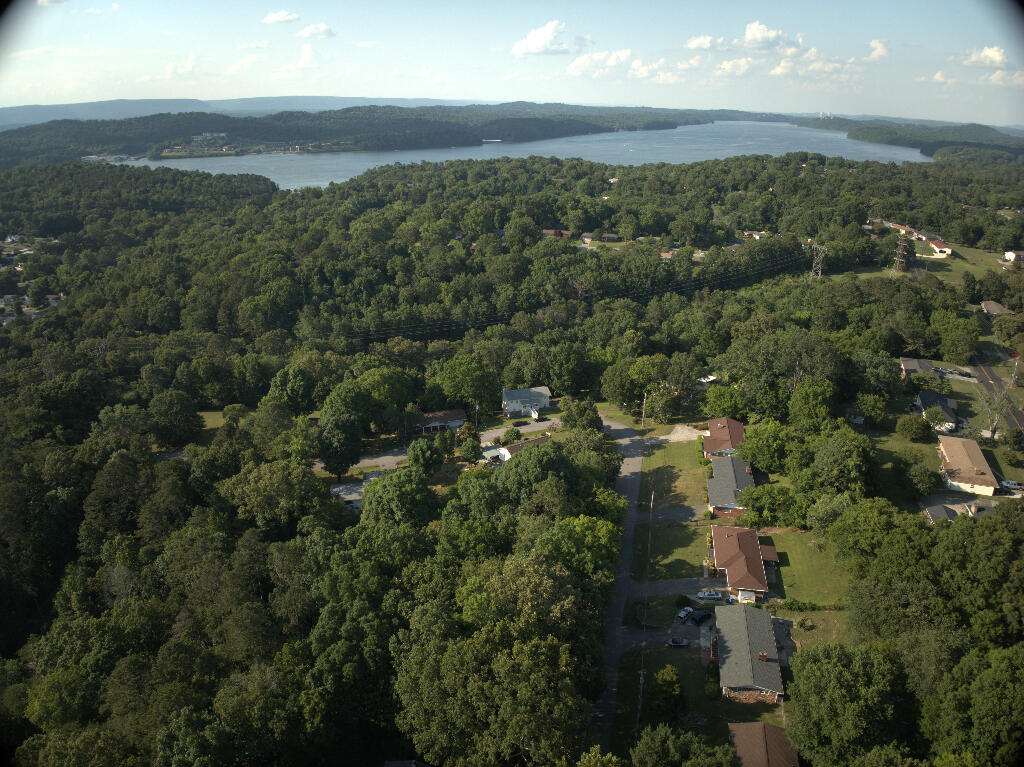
(712,595)
(681,615)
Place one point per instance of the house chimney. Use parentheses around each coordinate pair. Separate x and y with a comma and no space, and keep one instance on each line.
(763,656)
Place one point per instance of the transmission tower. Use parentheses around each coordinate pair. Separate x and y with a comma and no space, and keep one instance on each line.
(819,257)
(904,252)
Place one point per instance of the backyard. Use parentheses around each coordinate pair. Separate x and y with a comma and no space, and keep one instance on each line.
(709,716)
(674,472)
(807,570)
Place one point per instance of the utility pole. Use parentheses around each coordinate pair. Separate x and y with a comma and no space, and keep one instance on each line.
(643,411)
(904,252)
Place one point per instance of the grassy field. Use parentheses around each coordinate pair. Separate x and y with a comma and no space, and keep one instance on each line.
(212,419)
(661,611)
(674,472)
(716,712)
(825,626)
(807,570)
(963,260)
(677,551)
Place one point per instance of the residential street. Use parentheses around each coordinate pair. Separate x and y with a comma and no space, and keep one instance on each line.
(994,386)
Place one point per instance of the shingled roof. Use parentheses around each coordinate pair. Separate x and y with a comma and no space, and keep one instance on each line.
(723,434)
(759,744)
(748,657)
(731,475)
(738,552)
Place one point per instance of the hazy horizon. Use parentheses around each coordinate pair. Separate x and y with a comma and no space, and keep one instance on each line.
(946,61)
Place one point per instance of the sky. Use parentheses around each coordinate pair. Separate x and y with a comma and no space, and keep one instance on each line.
(956,60)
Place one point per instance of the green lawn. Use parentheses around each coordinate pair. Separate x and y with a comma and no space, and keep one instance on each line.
(650,429)
(677,551)
(716,712)
(807,569)
(212,419)
(499,421)
(661,611)
(895,454)
(825,626)
(963,260)
(674,472)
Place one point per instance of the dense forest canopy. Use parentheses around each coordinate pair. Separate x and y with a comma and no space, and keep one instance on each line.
(176,598)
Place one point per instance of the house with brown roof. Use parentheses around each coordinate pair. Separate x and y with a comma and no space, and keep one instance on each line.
(429,423)
(743,560)
(724,436)
(504,453)
(939,248)
(759,744)
(964,466)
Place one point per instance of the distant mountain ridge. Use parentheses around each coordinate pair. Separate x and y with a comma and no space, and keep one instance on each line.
(120,109)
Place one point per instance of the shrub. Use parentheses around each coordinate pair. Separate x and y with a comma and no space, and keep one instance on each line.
(914,428)
(511,435)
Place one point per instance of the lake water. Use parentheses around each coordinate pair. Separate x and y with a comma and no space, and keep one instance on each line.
(689,143)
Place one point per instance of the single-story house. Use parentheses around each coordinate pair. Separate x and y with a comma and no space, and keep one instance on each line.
(939,248)
(609,237)
(992,308)
(742,559)
(525,401)
(1013,255)
(731,475)
(748,657)
(964,466)
(429,423)
(928,399)
(507,452)
(724,436)
(759,744)
(587,237)
(916,367)
(555,232)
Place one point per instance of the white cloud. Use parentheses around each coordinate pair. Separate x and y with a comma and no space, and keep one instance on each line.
(879,50)
(115,7)
(94,11)
(50,2)
(598,63)
(701,42)
(172,68)
(256,44)
(1005,77)
(667,78)
(735,66)
(542,40)
(757,35)
(242,64)
(688,63)
(989,56)
(280,17)
(784,67)
(315,30)
(940,78)
(365,43)
(642,71)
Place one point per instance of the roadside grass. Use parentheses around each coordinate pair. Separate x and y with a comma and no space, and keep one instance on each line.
(718,713)
(807,570)
(672,470)
(650,429)
(661,611)
(677,551)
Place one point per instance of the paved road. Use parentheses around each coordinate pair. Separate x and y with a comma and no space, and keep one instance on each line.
(994,386)
(618,638)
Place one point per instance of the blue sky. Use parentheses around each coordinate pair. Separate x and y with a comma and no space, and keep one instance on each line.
(957,60)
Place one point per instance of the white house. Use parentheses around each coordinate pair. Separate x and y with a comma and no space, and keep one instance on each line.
(525,401)
(1013,255)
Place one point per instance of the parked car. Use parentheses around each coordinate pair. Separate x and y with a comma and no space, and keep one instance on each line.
(699,616)
(681,615)
(1010,484)
(711,595)
(517,424)
(677,642)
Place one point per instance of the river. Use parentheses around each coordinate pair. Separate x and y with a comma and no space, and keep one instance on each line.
(688,143)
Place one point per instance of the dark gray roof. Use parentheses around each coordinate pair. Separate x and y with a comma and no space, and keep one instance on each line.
(930,399)
(912,366)
(939,511)
(743,633)
(731,476)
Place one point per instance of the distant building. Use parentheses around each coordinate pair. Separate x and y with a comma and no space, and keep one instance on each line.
(1013,255)
(940,248)
(992,308)
(916,367)
(525,401)
(964,466)
(926,400)
(506,453)
(430,423)
(556,232)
